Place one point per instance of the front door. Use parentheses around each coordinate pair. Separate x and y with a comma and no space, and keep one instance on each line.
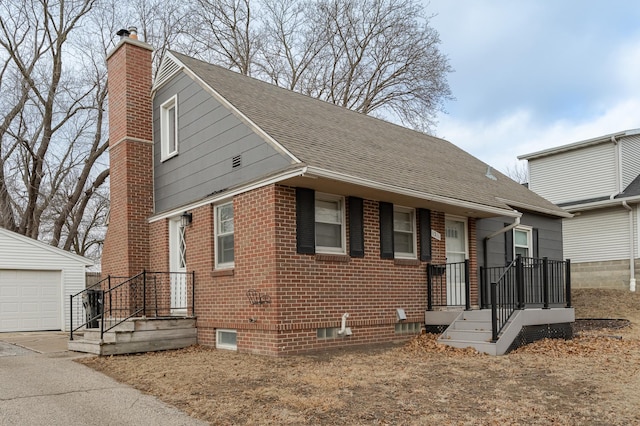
(178,267)
(456,251)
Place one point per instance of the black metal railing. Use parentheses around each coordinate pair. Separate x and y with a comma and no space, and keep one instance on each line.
(525,283)
(504,297)
(114,300)
(448,284)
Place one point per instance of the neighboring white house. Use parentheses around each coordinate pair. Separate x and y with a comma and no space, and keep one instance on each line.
(36,280)
(598,180)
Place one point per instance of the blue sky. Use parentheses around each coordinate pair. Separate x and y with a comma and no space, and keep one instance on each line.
(531,75)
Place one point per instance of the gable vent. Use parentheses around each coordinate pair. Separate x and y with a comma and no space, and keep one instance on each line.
(236,162)
(168,68)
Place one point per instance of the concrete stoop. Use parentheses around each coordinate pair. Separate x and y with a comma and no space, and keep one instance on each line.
(138,335)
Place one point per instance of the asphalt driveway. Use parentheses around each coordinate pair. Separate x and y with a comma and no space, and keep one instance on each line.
(40,384)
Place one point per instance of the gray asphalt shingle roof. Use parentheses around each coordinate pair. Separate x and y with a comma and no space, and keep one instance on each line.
(334,138)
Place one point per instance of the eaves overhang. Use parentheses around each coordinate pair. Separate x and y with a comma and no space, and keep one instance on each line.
(602,204)
(578,145)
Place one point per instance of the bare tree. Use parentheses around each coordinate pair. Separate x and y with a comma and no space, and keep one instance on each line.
(51,136)
(518,171)
(373,56)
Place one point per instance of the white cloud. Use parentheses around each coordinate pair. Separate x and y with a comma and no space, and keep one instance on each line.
(499,142)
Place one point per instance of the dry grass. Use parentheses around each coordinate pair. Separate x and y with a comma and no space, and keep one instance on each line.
(593,379)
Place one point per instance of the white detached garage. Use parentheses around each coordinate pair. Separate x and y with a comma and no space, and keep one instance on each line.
(36,280)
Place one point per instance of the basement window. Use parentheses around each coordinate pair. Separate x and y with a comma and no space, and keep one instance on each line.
(327,333)
(408,328)
(227,339)
(169,128)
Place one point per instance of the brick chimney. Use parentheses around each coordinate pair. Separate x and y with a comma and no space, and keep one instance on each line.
(126,246)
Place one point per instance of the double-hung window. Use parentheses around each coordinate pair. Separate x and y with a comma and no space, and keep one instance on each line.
(329,226)
(169,128)
(224,236)
(522,241)
(404,232)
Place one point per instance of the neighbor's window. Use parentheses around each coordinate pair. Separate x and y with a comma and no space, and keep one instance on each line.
(224,235)
(169,128)
(522,241)
(227,339)
(404,232)
(330,233)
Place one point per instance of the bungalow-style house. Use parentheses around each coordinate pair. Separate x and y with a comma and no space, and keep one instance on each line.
(288,224)
(598,181)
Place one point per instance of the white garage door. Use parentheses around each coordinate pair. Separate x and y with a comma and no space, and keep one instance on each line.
(30,300)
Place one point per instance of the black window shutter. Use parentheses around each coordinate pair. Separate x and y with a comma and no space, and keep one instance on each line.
(508,245)
(356,227)
(386,230)
(424,219)
(305,221)
(534,236)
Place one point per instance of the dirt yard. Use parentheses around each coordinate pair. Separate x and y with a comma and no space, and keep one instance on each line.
(593,379)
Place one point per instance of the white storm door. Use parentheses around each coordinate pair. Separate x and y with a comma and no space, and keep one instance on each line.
(456,251)
(178,267)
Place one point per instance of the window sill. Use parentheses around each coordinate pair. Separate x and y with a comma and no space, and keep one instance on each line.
(169,156)
(222,273)
(406,262)
(333,257)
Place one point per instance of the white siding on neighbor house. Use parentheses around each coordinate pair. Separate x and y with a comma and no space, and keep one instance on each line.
(16,252)
(630,159)
(575,175)
(598,235)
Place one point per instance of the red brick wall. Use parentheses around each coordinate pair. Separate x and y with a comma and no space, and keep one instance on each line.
(126,247)
(307,291)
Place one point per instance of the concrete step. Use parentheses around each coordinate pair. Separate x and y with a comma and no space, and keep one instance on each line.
(81,345)
(471,325)
(147,346)
(467,335)
(481,315)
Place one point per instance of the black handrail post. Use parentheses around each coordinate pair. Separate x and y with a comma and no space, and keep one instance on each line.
(110,299)
(102,318)
(520,281)
(467,286)
(144,293)
(545,281)
(568,282)
(429,289)
(494,312)
(71,317)
(193,293)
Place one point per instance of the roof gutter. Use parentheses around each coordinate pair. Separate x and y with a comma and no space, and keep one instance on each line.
(328,174)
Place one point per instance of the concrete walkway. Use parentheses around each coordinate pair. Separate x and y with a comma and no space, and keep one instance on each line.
(44,386)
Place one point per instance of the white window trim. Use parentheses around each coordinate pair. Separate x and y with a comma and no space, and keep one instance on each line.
(164,129)
(414,239)
(529,231)
(225,345)
(225,265)
(343,232)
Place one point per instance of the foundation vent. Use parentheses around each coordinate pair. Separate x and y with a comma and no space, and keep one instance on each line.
(236,162)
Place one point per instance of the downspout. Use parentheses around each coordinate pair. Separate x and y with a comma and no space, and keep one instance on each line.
(618,157)
(485,240)
(632,271)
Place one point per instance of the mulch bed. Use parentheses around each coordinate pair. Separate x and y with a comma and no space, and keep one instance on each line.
(589,324)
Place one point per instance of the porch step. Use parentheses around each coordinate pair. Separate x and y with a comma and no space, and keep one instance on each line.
(469,326)
(138,335)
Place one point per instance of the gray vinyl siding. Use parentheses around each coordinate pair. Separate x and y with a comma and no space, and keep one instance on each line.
(549,237)
(630,159)
(575,175)
(209,137)
(599,235)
